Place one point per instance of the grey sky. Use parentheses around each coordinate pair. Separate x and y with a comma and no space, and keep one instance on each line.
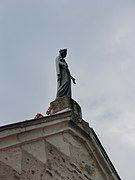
(100,37)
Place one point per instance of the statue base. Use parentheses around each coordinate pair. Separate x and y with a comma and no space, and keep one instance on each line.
(64,104)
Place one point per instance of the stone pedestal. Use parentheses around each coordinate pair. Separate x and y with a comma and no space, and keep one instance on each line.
(64,104)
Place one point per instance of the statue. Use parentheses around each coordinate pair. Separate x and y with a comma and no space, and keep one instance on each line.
(63,75)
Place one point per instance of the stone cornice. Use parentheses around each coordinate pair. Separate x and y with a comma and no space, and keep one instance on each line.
(32,130)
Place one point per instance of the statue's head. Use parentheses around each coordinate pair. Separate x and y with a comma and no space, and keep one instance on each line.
(63,52)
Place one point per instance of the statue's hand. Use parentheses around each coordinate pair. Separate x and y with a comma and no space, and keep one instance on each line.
(73,79)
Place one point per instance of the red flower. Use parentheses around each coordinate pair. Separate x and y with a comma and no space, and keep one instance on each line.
(38,115)
(48,112)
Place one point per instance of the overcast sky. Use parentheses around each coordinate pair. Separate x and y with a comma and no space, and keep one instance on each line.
(100,37)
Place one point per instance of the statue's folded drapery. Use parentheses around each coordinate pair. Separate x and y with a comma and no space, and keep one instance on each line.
(63,78)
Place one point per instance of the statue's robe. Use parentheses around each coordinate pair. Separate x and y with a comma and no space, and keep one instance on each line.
(63,78)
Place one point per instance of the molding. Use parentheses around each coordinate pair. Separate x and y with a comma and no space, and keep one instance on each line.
(32,130)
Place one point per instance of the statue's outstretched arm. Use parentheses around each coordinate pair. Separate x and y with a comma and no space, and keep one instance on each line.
(73,79)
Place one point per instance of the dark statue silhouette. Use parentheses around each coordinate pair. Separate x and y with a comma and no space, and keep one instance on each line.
(63,75)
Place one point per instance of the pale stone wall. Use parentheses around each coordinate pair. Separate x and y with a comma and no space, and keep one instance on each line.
(41,160)
(54,148)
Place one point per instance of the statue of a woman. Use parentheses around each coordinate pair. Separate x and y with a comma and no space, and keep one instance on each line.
(63,75)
